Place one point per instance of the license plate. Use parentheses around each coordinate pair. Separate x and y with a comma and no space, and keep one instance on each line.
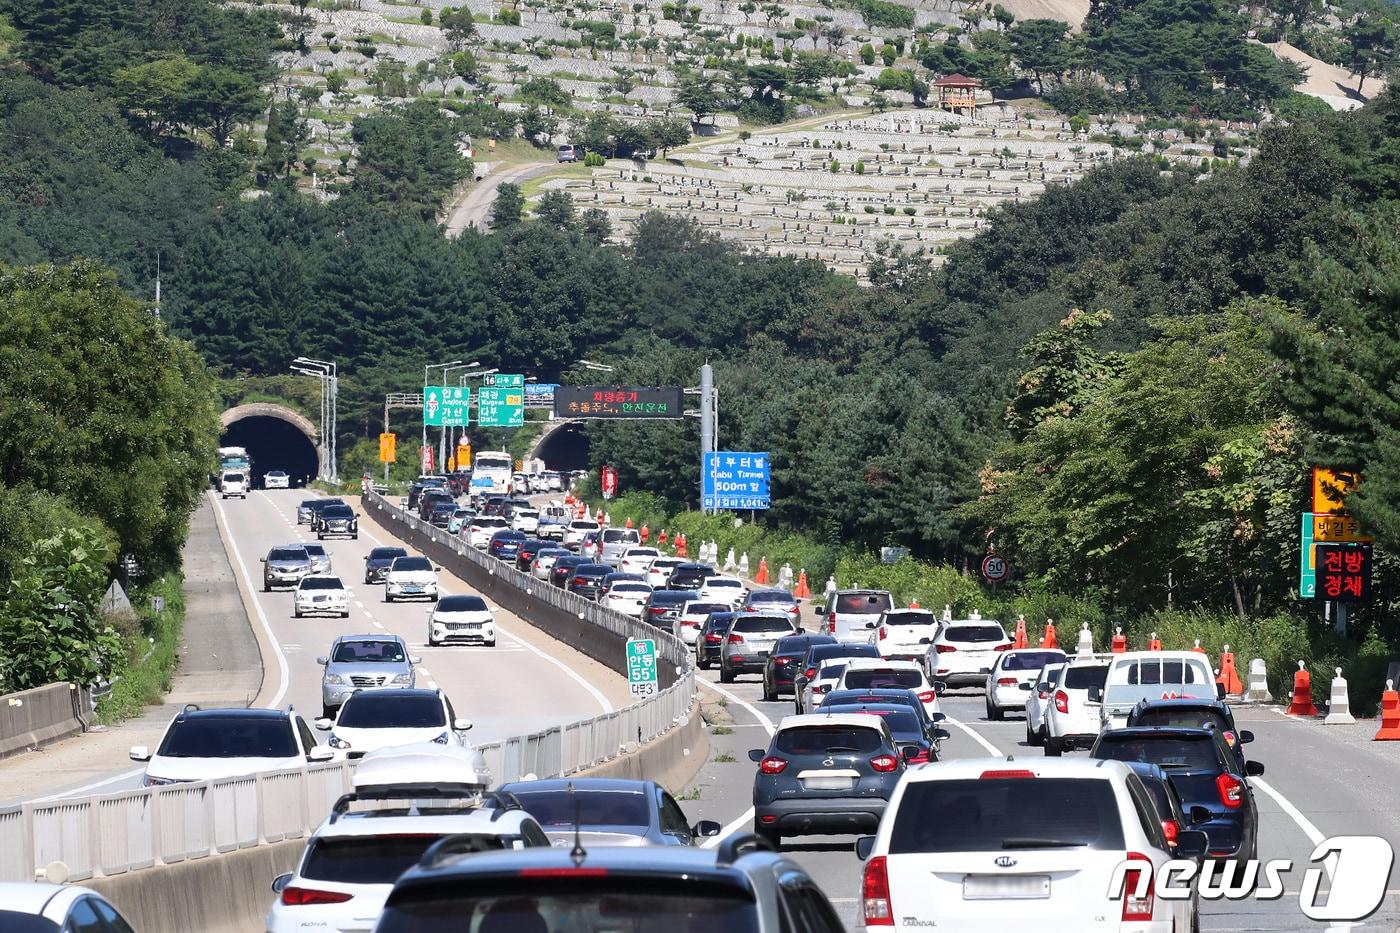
(413,589)
(1002,887)
(834,782)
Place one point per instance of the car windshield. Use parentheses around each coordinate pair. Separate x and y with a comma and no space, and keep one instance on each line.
(614,535)
(357,652)
(761,624)
(1171,753)
(823,740)
(337,511)
(1030,660)
(230,737)
(1083,677)
(909,618)
(642,553)
(461,604)
(412,563)
(618,903)
(584,526)
(392,710)
(884,677)
(594,807)
(863,602)
(1161,672)
(526,513)
(1181,718)
(387,553)
(995,814)
(974,633)
(375,859)
(322,583)
(287,553)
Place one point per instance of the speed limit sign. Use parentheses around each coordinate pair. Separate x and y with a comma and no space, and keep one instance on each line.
(995,568)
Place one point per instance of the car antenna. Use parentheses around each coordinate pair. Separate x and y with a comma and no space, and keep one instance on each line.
(577,853)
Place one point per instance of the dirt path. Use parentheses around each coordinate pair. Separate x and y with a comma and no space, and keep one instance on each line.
(474,207)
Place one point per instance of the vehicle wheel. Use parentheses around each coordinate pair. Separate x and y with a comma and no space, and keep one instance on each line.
(327,712)
(345,614)
(1053,748)
(994,713)
(769,696)
(267,587)
(388,598)
(703,664)
(297,613)
(770,836)
(1032,737)
(355,536)
(491,643)
(431,643)
(725,676)
(433,598)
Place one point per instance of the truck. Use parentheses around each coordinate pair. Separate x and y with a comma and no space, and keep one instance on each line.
(491,473)
(235,458)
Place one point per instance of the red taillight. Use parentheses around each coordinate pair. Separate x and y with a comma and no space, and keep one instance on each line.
(736,639)
(1170,830)
(304,897)
(795,610)
(750,608)
(771,765)
(1004,773)
(809,673)
(927,696)
(713,639)
(884,763)
(944,649)
(884,632)
(831,623)
(821,690)
(1042,694)
(658,610)
(1061,701)
(782,660)
(1231,790)
(562,873)
(1006,681)
(875,894)
(921,758)
(580,581)
(1134,907)
(1004,647)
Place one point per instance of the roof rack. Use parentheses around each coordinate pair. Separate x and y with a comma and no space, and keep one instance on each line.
(741,844)
(190,708)
(500,802)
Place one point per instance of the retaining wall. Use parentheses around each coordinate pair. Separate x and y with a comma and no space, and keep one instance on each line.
(31,718)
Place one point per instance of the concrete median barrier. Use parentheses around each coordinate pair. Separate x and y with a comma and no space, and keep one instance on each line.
(33,718)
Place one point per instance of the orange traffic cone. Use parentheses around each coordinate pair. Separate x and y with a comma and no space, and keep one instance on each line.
(1048,639)
(629,522)
(646,533)
(1390,714)
(1119,643)
(1197,647)
(662,540)
(1154,643)
(914,603)
(1302,704)
(680,545)
(802,591)
(1228,675)
(761,577)
(1021,640)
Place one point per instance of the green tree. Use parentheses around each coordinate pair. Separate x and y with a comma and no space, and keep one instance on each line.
(547,93)
(556,209)
(465,66)
(1371,35)
(285,135)
(623,81)
(219,99)
(666,133)
(459,26)
(1041,46)
(537,126)
(408,157)
(887,54)
(810,68)
(509,207)
(698,95)
(156,92)
(867,53)
(596,226)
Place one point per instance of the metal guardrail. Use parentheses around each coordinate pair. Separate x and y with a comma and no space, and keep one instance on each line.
(109,834)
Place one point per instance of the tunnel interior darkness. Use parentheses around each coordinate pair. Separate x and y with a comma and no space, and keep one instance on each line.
(565,448)
(273,444)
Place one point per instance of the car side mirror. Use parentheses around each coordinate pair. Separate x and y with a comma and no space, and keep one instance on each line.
(1198,814)
(1191,843)
(706,828)
(323,724)
(1246,737)
(1220,691)
(939,688)
(1254,768)
(939,717)
(756,754)
(864,846)
(941,734)
(323,660)
(279,884)
(910,752)
(1026,687)
(461,725)
(139,753)
(925,641)
(321,753)
(414,659)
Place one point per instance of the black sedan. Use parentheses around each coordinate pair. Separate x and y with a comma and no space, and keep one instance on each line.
(689,576)
(587,579)
(378,561)
(785,661)
(563,570)
(663,607)
(918,740)
(709,642)
(525,554)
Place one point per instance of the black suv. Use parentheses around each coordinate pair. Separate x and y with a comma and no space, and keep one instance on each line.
(336,519)
(1191,713)
(828,774)
(689,576)
(431,499)
(785,660)
(709,641)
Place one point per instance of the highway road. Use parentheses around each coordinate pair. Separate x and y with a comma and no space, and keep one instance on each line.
(1320,782)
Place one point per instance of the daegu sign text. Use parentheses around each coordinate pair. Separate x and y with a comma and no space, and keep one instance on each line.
(735,480)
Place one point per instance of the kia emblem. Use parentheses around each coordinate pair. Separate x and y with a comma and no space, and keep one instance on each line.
(1005,861)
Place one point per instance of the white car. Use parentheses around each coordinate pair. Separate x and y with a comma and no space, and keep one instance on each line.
(321,595)
(1012,677)
(410,578)
(202,744)
(722,589)
(694,612)
(233,483)
(904,634)
(964,650)
(276,479)
(462,619)
(828,675)
(1072,719)
(526,520)
(47,907)
(1000,844)
(573,535)
(628,597)
(379,831)
(1134,676)
(320,557)
(478,533)
(659,570)
(868,673)
(385,717)
(637,559)
(1038,700)
(544,561)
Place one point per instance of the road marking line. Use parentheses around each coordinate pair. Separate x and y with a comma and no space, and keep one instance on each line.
(1306,825)
(976,737)
(283,674)
(747,816)
(375,623)
(79,791)
(432,685)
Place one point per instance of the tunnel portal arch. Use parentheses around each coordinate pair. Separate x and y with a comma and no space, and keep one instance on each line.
(276,437)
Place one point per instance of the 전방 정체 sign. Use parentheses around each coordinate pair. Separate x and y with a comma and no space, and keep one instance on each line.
(1344,572)
(641,666)
(735,480)
(617,402)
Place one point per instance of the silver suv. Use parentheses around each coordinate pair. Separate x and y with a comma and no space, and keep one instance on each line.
(356,662)
(285,565)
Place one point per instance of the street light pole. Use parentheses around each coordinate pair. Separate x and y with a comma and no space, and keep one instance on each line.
(444,367)
(327,372)
(445,445)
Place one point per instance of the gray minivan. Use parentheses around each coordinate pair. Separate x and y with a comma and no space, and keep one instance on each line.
(614,541)
(850,616)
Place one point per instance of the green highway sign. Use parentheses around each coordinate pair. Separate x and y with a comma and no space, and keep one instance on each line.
(1307,561)
(504,380)
(498,407)
(446,406)
(641,666)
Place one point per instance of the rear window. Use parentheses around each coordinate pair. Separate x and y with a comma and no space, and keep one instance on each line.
(1005,814)
(371,859)
(831,672)
(761,624)
(899,720)
(461,604)
(785,599)
(1169,753)
(1161,672)
(974,633)
(1181,718)
(391,710)
(865,680)
(863,602)
(1031,660)
(595,807)
(704,608)
(1086,676)
(909,618)
(823,740)
(12,921)
(670,598)
(614,535)
(630,586)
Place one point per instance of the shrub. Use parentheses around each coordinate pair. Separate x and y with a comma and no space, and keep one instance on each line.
(835,166)
(870,208)
(887,54)
(889,208)
(426,17)
(910,211)
(867,54)
(859,167)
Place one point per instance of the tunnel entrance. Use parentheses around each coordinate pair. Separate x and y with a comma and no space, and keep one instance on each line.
(565,447)
(276,438)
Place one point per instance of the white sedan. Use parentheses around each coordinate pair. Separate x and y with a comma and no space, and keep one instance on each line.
(729,590)
(276,479)
(321,595)
(1013,676)
(637,559)
(479,532)
(659,570)
(463,618)
(41,906)
(387,716)
(627,597)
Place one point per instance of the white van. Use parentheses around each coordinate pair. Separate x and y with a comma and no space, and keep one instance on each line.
(233,483)
(1154,675)
(615,541)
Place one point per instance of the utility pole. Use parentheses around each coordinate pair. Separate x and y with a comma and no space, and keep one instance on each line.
(709,415)
(399,400)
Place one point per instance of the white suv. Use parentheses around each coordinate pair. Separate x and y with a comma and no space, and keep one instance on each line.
(874,673)
(904,634)
(1072,716)
(233,483)
(1012,677)
(964,650)
(384,717)
(578,528)
(478,533)
(1038,701)
(991,845)
(203,744)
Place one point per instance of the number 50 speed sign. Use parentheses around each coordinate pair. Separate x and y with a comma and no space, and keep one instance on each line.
(995,568)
